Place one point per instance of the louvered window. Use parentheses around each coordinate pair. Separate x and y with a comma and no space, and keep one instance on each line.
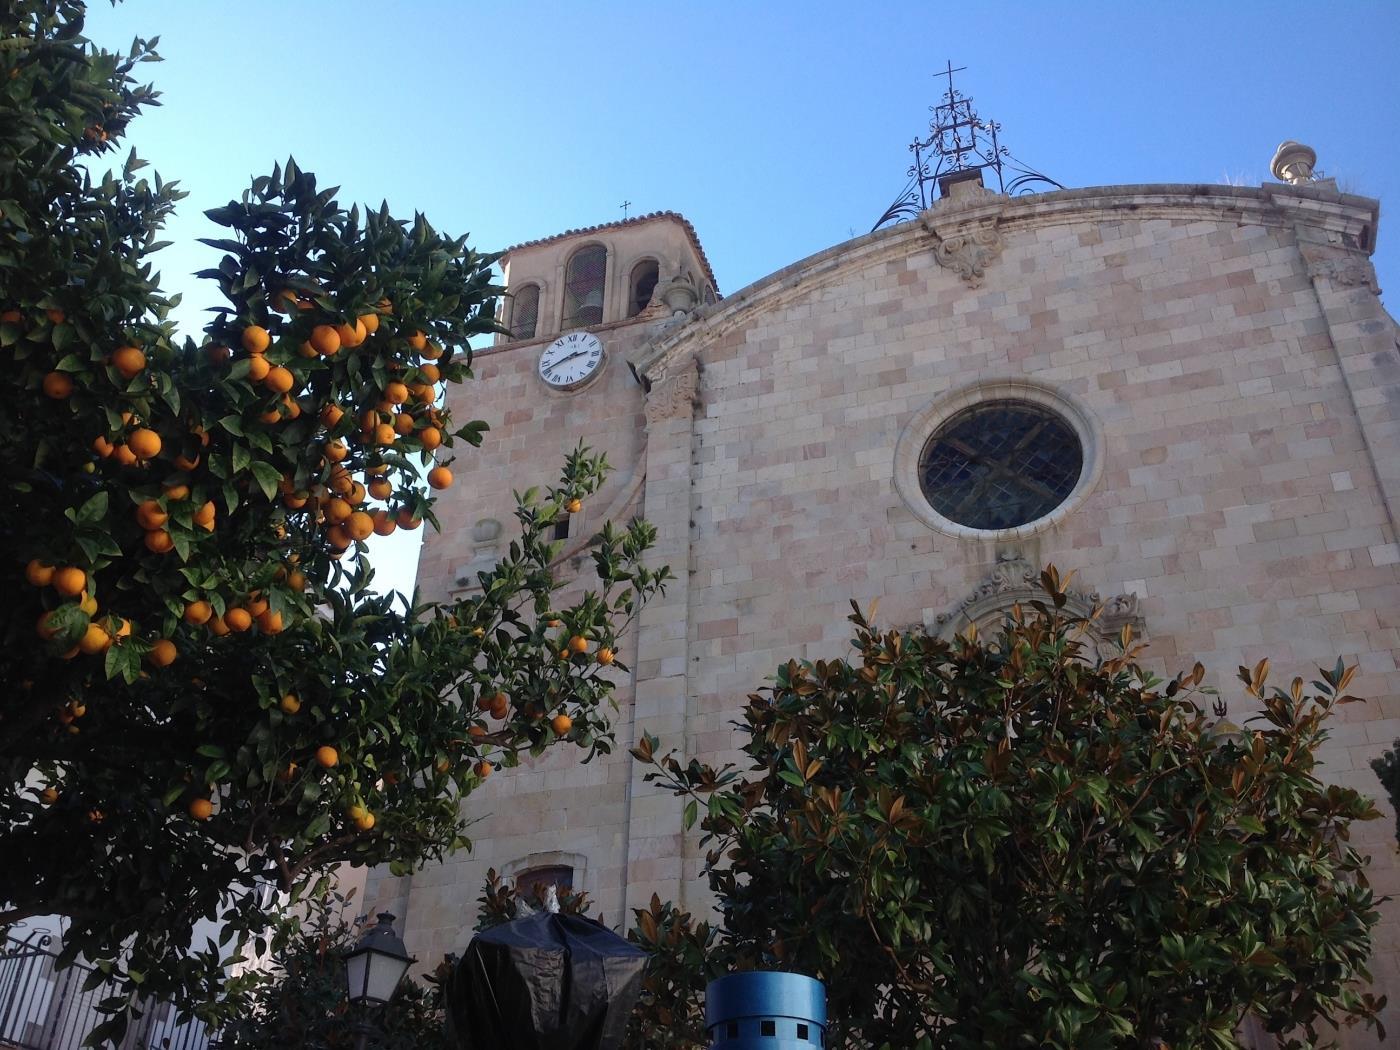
(525,312)
(644,276)
(583,287)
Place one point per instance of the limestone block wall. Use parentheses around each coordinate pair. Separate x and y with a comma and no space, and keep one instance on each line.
(551,809)
(1247,447)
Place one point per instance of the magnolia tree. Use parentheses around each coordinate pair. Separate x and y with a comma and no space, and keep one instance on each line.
(1001,842)
(203,696)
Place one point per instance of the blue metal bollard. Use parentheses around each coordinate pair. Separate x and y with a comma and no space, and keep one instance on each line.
(765,1011)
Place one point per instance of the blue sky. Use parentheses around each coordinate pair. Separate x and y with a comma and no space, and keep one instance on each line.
(778,129)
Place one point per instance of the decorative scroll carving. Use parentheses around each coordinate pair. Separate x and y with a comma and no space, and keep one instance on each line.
(1349,271)
(968,253)
(671,396)
(1015,579)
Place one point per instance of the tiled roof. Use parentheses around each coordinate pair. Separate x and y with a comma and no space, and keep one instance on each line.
(649,217)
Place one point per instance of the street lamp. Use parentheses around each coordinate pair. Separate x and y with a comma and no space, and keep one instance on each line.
(375,966)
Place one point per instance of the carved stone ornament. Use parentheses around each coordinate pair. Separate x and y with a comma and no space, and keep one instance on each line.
(1348,271)
(968,253)
(1014,579)
(672,396)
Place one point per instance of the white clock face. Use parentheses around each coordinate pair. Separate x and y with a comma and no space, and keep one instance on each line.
(571,360)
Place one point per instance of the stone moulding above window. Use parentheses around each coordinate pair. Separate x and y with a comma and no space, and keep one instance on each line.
(916,433)
(1015,579)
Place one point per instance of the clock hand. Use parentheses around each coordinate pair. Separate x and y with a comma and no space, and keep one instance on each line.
(577,353)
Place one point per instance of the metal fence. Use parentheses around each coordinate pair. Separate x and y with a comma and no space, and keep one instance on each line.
(45,1008)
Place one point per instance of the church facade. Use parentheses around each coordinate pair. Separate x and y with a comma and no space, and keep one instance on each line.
(1189,395)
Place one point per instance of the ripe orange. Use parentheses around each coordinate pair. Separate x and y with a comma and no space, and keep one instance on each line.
(336,451)
(370,321)
(158,541)
(306,350)
(201,808)
(256,604)
(87,603)
(605,656)
(123,455)
(578,644)
(439,477)
(129,361)
(55,316)
(217,627)
(296,580)
(94,640)
(258,369)
(403,424)
(177,492)
(284,301)
(217,354)
(431,437)
(69,581)
(500,706)
(574,506)
(384,434)
(338,510)
(352,336)
(476,732)
(424,392)
(383,524)
(325,339)
(270,622)
(295,500)
(150,515)
(163,653)
(395,393)
(198,612)
(204,516)
(145,444)
(360,525)
(11,317)
(279,380)
(418,340)
(338,538)
(327,756)
(238,620)
(380,488)
(57,385)
(39,574)
(290,704)
(256,339)
(48,796)
(430,373)
(183,462)
(102,446)
(365,822)
(484,769)
(561,724)
(331,416)
(406,520)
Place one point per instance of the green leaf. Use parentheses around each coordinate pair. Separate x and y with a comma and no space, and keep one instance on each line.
(268,477)
(94,510)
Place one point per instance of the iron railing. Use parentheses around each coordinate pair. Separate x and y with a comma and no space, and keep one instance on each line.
(43,1007)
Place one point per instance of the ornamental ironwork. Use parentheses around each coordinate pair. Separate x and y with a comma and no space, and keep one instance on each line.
(1000,464)
(959,143)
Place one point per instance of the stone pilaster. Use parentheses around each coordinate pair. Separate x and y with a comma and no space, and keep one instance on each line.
(655,835)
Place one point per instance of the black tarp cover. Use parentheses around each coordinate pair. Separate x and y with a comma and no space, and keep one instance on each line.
(544,982)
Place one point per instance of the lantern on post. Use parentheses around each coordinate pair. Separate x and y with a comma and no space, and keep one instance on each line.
(375,967)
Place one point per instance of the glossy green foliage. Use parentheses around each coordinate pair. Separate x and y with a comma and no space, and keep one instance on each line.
(203,696)
(1006,842)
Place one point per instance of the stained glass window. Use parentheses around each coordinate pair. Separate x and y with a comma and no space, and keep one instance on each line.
(1000,464)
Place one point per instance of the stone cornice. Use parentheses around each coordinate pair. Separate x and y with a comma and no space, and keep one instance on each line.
(1339,218)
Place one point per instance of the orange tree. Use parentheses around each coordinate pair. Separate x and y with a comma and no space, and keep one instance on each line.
(201,698)
(1003,843)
